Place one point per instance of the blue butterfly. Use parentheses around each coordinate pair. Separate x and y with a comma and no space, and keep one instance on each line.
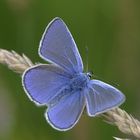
(62,85)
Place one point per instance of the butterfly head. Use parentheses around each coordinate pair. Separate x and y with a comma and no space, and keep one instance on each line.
(89,74)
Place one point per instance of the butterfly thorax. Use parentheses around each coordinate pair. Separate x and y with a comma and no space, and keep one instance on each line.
(79,81)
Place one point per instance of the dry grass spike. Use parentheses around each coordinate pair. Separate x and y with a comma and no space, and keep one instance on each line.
(14,61)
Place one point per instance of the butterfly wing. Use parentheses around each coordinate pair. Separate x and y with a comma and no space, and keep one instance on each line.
(57,46)
(102,97)
(65,114)
(43,82)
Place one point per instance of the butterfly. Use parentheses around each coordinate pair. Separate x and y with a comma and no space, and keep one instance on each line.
(62,85)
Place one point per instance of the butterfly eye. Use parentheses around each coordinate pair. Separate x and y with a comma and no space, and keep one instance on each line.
(89,74)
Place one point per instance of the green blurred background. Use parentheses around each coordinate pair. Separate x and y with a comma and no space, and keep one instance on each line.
(111,31)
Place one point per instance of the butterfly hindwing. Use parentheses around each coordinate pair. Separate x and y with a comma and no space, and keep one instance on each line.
(43,82)
(65,114)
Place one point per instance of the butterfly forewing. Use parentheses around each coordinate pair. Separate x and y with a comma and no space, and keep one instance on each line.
(57,45)
(101,97)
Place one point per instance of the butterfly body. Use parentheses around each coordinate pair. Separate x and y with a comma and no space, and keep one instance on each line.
(79,81)
(62,85)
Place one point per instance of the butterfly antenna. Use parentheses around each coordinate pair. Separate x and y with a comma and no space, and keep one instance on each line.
(86,59)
